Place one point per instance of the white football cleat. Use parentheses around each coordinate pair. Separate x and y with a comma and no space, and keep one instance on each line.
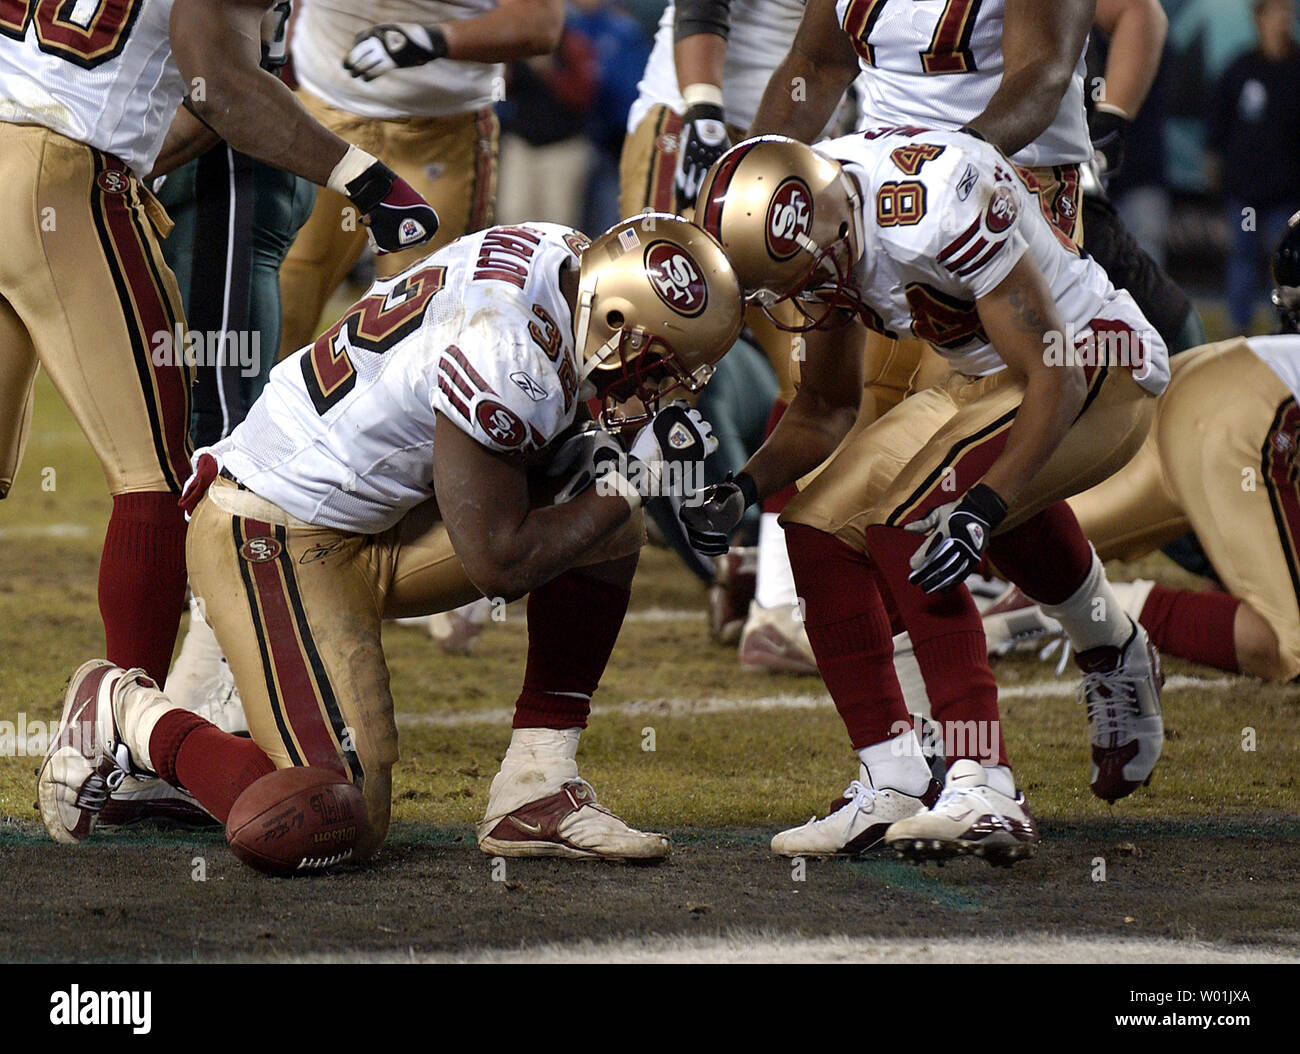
(775,641)
(539,806)
(1121,689)
(86,758)
(147,799)
(969,817)
(1013,621)
(856,823)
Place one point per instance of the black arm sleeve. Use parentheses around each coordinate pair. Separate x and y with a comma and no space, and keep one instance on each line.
(692,17)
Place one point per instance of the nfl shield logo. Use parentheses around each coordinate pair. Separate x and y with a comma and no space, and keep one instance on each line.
(410,231)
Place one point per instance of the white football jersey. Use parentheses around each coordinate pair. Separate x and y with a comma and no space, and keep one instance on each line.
(323,36)
(99,73)
(938,62)
(1281,353)
(761,31)
(343,434)
(946,217)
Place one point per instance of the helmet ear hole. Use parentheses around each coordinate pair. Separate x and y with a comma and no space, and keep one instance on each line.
(614,319)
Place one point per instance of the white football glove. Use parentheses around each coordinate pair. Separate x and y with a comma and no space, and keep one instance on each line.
(584,458)
(677,436)
(393,45)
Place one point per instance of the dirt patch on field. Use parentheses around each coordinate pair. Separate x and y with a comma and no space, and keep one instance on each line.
(139,897)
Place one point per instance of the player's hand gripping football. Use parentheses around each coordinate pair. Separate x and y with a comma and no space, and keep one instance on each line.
(959,534)
(584,458)
(393,45)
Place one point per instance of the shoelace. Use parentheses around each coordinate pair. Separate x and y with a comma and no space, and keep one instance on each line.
(951,795)
(861,797)
(98,786)
(1049,649)
(1111,698)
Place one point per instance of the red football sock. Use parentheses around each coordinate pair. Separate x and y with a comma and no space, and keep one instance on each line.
(142,581)
(849,631)
(573,623)
(1047,556)
(948,639)
(1192,625)
(213,765)
(776,502)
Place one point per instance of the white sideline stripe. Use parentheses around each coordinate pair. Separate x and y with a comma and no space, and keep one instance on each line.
(774,948)
(46,530)
(683,707)
(664,615)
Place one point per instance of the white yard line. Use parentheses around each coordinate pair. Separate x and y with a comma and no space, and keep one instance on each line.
(790,949)
(46,530)
(685,707)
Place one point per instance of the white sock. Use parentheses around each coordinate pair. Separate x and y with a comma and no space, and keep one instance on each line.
(1000,779)
(775,580)
(538,762)
(896,763)
(137,710)
(1093,617)
(1133,595)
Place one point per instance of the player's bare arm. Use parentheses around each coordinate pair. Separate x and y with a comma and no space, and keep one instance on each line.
(187,138)
(218,48)
(1041,44)
(507,547)
(821,413)
(822,63)
(700,29)
(1018,316)
(1136,30)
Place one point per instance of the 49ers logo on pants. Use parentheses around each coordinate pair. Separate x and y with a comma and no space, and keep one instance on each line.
(500,423)
(676,278)
(789,216)
(260,550)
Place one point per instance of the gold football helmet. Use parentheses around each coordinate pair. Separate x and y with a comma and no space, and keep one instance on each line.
(658,306)
(791,222)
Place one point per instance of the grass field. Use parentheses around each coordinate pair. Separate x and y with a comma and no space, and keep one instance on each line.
(733,753)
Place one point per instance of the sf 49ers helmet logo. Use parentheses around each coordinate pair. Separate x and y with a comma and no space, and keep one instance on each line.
(788,216)
(501,424)
(1002,210)
(676,278)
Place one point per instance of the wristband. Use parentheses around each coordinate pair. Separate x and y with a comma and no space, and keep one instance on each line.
(437,41)
(702,94)
(984,501)
(352,164)
(748,488)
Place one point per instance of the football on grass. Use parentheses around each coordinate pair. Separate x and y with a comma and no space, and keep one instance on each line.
(297,821)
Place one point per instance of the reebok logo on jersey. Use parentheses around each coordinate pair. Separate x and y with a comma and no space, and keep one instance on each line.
(528,386)
(967,182)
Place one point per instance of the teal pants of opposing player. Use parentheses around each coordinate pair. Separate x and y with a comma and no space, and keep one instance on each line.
(235,220)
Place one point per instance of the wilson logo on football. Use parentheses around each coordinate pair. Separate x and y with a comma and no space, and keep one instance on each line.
(789,216)
(1002,210)
(260,550)
(676,278)
(500,423)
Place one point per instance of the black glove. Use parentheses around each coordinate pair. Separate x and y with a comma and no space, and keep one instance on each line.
(397,217)
(393,46)
(961,531)
(702,141)
(709,524)
(1107,129)
(676,438)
